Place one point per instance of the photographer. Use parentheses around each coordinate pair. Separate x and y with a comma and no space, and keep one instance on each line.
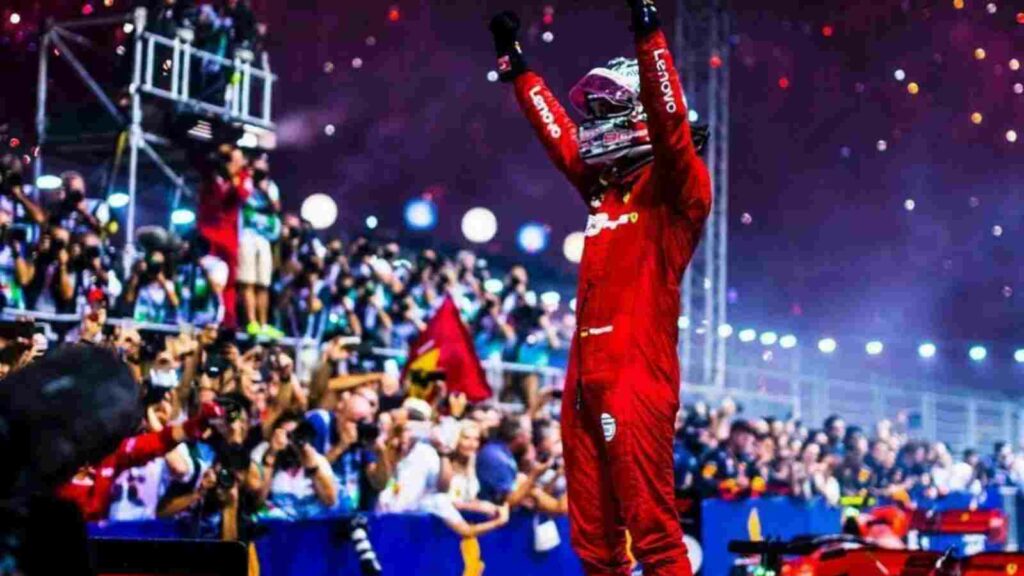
(227,184)
(349,437)
(289,475)
(16,270)
(70,210)
(12,192)
(150,293)
(200,280)
(261,227)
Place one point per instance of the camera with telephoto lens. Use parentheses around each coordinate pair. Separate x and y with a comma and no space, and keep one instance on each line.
(10,173)
(367,432)
(357,531)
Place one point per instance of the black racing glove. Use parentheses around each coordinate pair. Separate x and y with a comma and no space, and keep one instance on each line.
(505,29)
(645,16)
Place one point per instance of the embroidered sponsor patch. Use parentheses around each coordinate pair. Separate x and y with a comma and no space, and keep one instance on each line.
(608,426)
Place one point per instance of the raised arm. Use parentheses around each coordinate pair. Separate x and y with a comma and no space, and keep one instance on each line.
(557,132)
(661,92)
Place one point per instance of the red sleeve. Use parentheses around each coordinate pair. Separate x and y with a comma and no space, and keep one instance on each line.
(139,450)
(244,190)
(675,158)
(557,132)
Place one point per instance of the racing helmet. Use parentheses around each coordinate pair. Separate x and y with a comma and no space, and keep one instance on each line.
(615,123)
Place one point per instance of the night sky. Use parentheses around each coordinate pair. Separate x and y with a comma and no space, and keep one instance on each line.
(823,171)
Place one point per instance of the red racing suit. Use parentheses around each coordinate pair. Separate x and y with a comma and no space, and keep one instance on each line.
(622,386)
(92,491)
(220,203)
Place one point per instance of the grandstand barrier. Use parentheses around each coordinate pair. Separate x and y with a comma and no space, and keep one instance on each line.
(405,544)
(414,544)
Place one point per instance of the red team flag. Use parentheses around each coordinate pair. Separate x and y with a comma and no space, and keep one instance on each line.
(446,346)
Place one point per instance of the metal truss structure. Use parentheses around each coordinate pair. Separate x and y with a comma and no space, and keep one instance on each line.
(167,76)
(702,47)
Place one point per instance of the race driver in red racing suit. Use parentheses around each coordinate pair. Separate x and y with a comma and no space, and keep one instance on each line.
(635,162)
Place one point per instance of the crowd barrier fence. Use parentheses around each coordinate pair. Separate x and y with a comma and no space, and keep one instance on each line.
(414,544)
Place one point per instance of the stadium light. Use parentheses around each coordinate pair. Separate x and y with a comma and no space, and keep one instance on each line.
(118,200)
(787,342)
(493,286)
(479,225)
(874,348)
(320,210)
(183,217)
(926,350)
(769,338)
(748,335)
(1018,356)
(48,182)
(978,353)
(827,345)
(684,323)
(372,222)
(532,238)
(725,331)
(420,214)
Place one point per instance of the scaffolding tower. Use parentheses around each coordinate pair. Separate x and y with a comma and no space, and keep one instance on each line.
(702,37)
(169,76)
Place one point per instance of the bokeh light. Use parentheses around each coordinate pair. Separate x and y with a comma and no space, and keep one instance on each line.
(748,335)
(788,342)
(320,210)
(978,353)
(15,18)
(394,14)
(532,238)
(991,8)
(48,182)
(827,345)
(572,247)
(827,31)
(979,54)
(1014,64)
(372,222)
(1018,88)
(926,350)
(882,145)
(958,4)
(900,75)
(1018,356)
(118,200)
(479,225)
(183,217)
(976,118)
(874,348)
(769,338)
(420,214)
(725,331)
(548,36)
(913,88)
(909,205)
(784,83)
(997,231)
(1011,136)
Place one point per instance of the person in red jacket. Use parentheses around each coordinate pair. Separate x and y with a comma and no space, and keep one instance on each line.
(636,165)
(90,488)
(221,197)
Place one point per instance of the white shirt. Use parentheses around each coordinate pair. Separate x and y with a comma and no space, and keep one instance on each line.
(415,478)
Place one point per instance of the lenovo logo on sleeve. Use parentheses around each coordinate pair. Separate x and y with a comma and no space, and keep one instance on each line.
(668,95)
(545,112)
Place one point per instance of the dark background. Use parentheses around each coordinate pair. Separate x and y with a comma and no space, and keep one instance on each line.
(829,248)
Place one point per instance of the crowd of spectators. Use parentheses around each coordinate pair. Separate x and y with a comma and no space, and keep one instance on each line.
(719,454)
(333,438)
(343,436)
